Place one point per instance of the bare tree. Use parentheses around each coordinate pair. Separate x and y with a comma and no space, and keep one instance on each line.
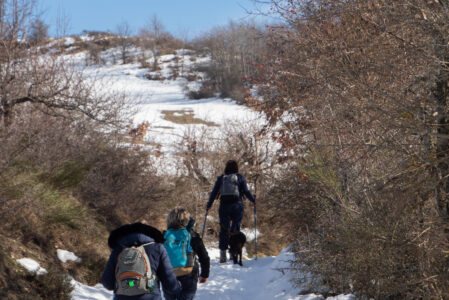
(236,54)
(183,35)
(155,34)
(124,42)
(39,31)
(48,83)
(62,21)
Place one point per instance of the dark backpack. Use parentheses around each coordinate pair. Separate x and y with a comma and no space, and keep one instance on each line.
(133,272)
(229,190)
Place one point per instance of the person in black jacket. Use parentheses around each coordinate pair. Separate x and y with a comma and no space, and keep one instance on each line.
(177,219)
(134,235)
(231,205)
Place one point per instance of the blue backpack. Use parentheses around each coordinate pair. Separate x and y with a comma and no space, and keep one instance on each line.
(180,253)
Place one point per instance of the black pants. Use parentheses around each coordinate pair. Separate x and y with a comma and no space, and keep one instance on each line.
(231,215)
(189,284)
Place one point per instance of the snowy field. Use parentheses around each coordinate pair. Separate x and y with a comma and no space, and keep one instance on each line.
(173,118)
(153,100)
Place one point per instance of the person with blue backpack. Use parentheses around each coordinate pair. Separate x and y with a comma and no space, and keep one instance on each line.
(231,187)
(183,245)
(138,264)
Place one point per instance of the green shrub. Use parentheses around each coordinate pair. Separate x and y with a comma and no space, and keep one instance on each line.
(60,210)
(68,175)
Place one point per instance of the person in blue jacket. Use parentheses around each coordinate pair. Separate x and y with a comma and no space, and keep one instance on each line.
(134,235)
(231,187)
(178,219)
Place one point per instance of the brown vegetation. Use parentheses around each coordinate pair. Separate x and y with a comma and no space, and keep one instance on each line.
(184,117)
(138,133)
(65,179)
(362,90)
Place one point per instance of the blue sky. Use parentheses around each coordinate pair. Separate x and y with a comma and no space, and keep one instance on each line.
(180,17)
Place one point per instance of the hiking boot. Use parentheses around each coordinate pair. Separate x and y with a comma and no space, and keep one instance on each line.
(222,256)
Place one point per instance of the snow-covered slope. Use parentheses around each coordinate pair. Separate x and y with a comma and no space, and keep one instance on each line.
(152,98)
(163,103)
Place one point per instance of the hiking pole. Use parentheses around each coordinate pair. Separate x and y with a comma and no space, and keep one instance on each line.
(255,227)
(204,224)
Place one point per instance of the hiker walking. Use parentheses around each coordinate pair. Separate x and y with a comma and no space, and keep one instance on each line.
(183,244)
(138,262)
(231,186)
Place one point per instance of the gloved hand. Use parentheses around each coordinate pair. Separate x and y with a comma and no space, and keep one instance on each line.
(202,279)
(190,224)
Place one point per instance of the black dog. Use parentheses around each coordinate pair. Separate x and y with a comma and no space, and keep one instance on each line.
(236,242)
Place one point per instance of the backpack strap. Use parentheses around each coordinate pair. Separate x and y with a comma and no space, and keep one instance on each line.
(182,271)
(150,279)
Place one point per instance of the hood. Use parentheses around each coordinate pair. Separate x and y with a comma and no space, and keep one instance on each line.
(134,233)
(135,239)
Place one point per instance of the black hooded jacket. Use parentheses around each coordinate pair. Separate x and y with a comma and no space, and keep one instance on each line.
(134,235)
(198,247)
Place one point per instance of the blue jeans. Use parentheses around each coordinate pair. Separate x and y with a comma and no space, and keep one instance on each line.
(231,215)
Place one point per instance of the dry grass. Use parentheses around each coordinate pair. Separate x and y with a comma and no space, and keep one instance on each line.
(184,117)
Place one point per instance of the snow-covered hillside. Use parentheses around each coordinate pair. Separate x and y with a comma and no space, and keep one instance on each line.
(152,99)
(163,103)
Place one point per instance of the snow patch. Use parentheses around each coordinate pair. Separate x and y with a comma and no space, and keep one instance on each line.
(65,256)
(250,234)
(69,41)
(257,279)
(84,292)
(86,37)
(32,266)
(342,297)
(211,218)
